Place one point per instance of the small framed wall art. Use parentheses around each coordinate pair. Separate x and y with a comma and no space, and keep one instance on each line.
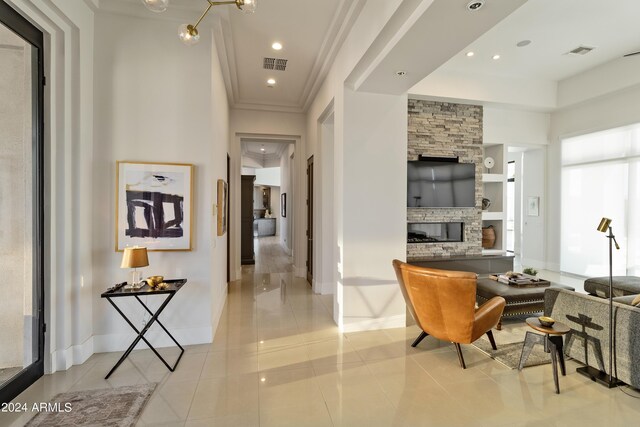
(154,204)
(222,201)
(283,205)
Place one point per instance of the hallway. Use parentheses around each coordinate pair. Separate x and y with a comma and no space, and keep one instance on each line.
(270,257)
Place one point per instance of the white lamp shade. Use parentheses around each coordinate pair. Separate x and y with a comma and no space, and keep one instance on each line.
(134,258)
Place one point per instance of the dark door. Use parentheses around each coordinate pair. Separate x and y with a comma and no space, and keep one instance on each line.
(21,204)
(310,220)
(228,219)
(246,212)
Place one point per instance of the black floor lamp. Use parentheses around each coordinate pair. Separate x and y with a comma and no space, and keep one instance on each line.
(595,374)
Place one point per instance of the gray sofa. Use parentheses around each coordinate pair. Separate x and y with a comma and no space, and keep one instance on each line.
(622,285)
(588,340)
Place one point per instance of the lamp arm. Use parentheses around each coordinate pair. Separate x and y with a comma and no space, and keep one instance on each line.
(611,236)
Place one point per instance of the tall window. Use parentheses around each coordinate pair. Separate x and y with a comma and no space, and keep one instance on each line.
(600,176)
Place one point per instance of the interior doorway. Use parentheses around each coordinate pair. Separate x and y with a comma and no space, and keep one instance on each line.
(22,325)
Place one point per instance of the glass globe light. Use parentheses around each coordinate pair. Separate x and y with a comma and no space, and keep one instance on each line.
(188,34)
(156,5)
(248,6)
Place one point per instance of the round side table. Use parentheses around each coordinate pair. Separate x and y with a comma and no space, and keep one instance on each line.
(552,341)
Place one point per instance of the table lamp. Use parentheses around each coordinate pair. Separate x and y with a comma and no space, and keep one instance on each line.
(135,258)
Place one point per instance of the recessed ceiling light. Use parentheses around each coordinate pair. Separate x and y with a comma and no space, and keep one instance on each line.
(276,46)
(475,5)
(271,82)
(496,56)
(470,54)
(523,43)
(401,73)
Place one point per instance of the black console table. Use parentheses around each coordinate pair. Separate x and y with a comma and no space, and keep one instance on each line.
(119,291)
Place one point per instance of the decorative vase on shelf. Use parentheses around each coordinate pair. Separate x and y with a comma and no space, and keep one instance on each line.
(488,237)
(485,203)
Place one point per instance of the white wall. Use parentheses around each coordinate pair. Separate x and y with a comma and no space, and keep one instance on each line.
(374,217)
(533,227)
(344,257)
(275,207)
(286,222)
(268,176)
(149,110)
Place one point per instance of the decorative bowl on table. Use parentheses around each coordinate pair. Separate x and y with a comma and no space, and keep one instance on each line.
(154,281)
(546,321)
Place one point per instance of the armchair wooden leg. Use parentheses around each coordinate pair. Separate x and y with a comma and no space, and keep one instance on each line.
(491,340)
(460,358)
(422,336)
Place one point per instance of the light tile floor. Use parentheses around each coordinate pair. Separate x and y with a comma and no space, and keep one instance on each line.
(278,359)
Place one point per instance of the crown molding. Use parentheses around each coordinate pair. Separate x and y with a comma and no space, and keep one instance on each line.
(342,22)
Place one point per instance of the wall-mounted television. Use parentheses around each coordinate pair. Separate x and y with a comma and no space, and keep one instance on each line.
(434,182)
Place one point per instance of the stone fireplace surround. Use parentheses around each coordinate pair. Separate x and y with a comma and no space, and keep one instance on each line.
(440,129)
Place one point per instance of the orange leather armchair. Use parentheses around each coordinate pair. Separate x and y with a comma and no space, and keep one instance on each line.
(443,304)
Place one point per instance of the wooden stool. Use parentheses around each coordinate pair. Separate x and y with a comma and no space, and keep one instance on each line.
(552,341)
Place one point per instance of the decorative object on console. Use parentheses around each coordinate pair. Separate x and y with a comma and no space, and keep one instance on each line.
(154,205)
(485,203)
(154,281)
(223,200)
(488,237)
(604,378)
(135,258)
(189,33)
(489,163)
(546,321)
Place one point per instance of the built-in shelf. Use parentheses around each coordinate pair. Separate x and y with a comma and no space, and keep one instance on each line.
(492,177)
(493,252)
(494,188)
(487,215)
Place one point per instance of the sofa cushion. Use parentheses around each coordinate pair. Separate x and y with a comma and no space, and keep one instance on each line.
(622,285)
(627,299)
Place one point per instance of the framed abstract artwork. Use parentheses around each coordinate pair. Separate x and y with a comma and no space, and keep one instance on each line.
(222,201)
(154,205)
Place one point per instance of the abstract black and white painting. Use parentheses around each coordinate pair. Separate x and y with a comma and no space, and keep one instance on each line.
(154,206)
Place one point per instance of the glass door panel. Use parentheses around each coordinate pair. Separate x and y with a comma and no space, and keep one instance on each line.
(21,227)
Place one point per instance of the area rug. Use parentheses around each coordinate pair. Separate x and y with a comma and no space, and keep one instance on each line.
(114,407)
(509,342)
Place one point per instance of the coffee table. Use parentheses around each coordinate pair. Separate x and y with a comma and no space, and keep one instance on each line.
(552,341)
(520,300)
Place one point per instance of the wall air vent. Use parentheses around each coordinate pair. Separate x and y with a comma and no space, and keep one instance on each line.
(580,50)
(275,64)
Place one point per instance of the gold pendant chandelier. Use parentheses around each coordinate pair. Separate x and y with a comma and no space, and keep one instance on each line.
(189,33)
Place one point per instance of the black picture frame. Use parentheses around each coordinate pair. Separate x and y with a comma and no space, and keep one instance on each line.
(283,205)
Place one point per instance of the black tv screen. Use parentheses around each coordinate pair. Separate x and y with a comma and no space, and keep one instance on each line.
(440,184)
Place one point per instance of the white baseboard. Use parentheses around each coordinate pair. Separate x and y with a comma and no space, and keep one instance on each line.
(301,272)
(74,355)
(369,324)
(157,337)
(217,311)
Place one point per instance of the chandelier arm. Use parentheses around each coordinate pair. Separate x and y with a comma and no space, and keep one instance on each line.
(211,4)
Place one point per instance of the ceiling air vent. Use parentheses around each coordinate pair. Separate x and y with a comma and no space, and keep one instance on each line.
(281,64)
(275,64)
(580,50)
